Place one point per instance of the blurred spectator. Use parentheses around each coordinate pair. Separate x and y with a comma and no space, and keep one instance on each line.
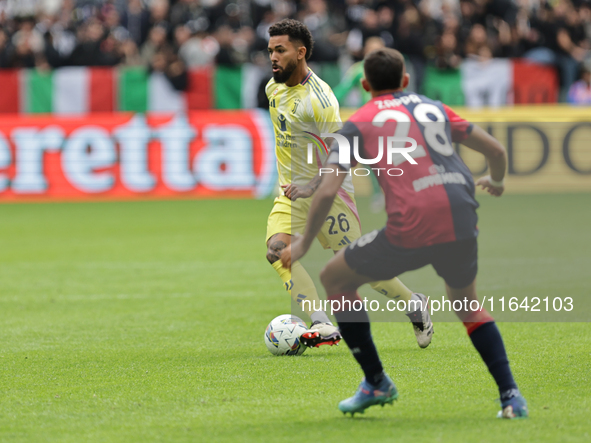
(447,56)
(195,48)
(352,79)
(477,45)
(355,12)
(324,29)
(112,22)
(585,14)
(262,30)
(168,63)
(505,10)
(387,24)
(571,39)
(96,47)
(563,41)
(137,21)
(467,19)
(156,42)
(233,46)
(159,13)
(580,92)
(368,27)
(185,11)
(27,42)
(60,36)
(6,50)
(130,55)
(173,35)
(409,40)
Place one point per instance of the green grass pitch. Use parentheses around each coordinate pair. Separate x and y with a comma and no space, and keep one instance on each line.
(144,321)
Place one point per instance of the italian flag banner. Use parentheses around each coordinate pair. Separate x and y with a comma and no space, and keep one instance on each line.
(492,83)
(82,90)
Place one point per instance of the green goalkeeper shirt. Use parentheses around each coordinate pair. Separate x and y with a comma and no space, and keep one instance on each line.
(351,80)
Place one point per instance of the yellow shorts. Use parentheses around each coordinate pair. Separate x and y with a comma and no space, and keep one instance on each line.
(340,229)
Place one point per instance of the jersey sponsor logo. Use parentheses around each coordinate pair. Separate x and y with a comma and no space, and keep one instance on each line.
(282,122)
(438,179)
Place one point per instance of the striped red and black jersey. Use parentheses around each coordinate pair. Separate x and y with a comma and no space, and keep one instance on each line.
(429,202)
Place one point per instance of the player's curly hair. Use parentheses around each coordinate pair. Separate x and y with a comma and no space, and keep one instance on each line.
(296,31)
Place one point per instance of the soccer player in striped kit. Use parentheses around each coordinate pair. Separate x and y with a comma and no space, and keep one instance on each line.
(296,96)
(431,221)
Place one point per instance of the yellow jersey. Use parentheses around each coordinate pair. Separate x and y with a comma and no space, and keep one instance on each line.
(297,112)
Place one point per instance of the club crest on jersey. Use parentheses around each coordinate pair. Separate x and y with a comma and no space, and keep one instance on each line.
(295,105)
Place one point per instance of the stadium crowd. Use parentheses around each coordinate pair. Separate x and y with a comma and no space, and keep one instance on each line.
(174,35)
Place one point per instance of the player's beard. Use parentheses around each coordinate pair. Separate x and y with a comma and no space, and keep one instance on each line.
(283,75)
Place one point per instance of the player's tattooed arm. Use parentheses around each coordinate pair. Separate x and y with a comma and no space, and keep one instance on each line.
(293,192)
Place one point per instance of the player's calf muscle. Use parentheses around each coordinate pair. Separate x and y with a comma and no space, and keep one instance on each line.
(275,245)
(336,279)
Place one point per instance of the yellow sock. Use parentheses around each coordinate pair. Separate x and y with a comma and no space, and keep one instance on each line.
(300,286)
(392,289)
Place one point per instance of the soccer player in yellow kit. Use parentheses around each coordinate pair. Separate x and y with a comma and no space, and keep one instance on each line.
(298,99)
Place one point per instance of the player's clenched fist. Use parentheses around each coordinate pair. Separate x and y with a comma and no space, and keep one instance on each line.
(492,187)
(293,252)
(286,257)
(293,192)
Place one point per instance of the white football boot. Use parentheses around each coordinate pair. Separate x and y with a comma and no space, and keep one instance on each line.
(421,322)
(321,333)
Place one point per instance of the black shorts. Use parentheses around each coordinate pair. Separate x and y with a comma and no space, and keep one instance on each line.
(374,256)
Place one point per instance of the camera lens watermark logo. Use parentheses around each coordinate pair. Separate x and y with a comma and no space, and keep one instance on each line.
(394,146)
(316,141)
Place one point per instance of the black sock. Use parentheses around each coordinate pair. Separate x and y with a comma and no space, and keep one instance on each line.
(357,334)
(489,344)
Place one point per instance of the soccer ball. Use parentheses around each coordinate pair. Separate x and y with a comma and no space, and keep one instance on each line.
(282,336)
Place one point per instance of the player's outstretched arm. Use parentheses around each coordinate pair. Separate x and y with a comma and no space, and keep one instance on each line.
(319,209)
(481,141)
